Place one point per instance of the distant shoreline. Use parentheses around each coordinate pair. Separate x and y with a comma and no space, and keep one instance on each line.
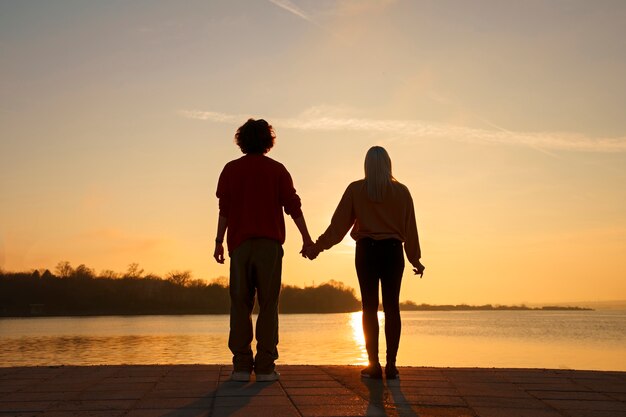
(81,293)
(200,313)
(411,306)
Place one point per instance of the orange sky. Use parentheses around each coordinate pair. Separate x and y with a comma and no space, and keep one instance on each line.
(504,119)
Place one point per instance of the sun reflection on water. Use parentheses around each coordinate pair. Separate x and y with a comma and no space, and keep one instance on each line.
(356,324)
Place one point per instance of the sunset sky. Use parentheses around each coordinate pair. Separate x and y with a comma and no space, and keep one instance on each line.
(506,120)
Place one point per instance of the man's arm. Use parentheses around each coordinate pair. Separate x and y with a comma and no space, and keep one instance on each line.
(218,253)
(304,231)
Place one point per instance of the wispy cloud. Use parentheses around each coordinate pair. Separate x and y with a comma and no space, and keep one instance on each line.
(316,119)
(292,8)
(211,116)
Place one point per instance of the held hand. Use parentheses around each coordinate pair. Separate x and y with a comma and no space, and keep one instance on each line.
(311,252)
(218,254)
(307,243)
(420,269)
(306,247)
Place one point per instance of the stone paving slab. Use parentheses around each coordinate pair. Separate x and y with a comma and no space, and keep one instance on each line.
(307,391)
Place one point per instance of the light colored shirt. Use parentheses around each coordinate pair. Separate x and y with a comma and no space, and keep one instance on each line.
(392,218)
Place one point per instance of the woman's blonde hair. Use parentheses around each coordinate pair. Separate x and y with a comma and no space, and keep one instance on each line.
(378,176)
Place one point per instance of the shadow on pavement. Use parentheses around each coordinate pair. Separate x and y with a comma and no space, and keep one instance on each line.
(383,397)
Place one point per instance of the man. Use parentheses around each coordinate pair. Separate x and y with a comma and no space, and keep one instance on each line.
(253,191)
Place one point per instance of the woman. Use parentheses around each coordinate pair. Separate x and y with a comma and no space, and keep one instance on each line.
(380,212)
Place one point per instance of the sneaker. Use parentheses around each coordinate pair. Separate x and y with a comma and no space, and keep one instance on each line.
(273,376)
(240,376)
(391,372)
(372,371)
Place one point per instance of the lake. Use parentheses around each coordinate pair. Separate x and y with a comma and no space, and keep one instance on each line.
(513,339)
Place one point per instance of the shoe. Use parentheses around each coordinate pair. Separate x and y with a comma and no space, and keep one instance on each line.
(273,376)
(240,376)
(391,372)
(372,371)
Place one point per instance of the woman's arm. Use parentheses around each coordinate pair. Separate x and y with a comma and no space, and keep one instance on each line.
(341,222)
(412,243)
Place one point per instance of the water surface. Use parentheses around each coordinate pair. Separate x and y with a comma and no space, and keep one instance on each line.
(529,339)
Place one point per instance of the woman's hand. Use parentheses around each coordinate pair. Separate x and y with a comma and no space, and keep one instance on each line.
(310,251)
(419,269)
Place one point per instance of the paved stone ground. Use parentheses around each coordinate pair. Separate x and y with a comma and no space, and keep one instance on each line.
(303,391)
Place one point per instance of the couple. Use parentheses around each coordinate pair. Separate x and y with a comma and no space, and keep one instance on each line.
(253,191)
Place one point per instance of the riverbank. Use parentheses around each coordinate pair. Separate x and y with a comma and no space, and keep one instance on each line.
(205,390)
(37,311)
(76,293)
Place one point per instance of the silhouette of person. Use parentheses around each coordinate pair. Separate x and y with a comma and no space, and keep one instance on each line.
(253,191)
(380,212)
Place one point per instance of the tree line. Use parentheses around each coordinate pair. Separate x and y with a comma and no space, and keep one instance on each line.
(80,291)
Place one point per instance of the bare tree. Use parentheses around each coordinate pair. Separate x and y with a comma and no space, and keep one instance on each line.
(197,283)
(110,274)
(133,271)
(221,281)
(82,271)
(64,269)
(180,278)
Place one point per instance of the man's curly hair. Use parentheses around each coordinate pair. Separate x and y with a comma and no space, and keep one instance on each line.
(255,137)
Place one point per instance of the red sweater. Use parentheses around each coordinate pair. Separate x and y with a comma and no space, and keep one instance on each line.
(252,192)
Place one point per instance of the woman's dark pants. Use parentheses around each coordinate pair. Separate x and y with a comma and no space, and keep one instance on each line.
(380,260)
